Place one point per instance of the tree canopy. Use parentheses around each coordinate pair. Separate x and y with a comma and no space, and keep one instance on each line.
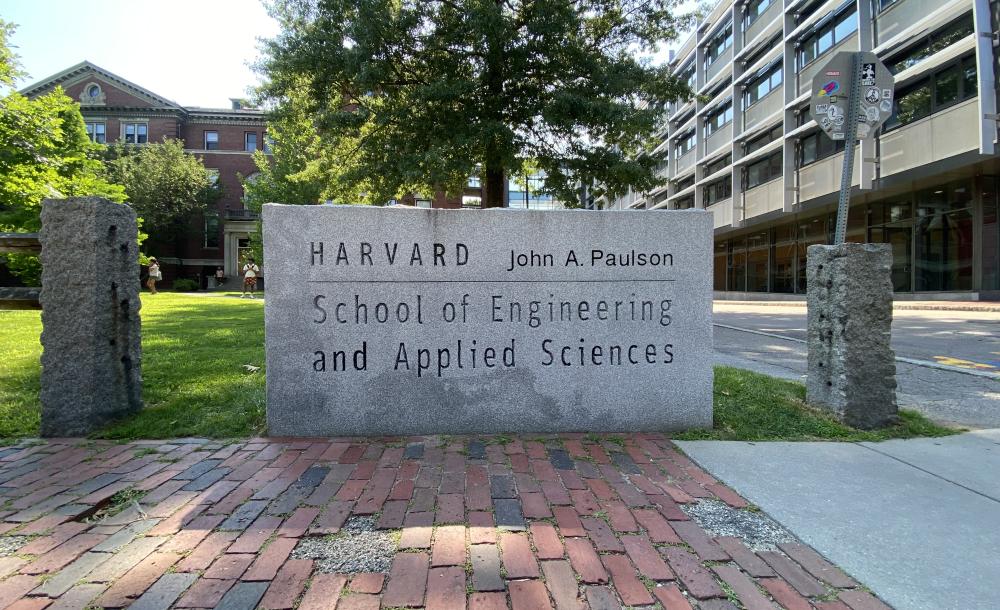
(44,152)
(165,185)
(417,95)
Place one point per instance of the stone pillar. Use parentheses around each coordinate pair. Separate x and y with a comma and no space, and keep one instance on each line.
(852,367)
(90,315)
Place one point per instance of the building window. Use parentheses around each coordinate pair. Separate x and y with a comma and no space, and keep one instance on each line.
(422,203)
(250,141)
(684,203)
(828,35)
(687,75)
(472,202)
(766,81)
(684,144)
(96,133)
(211,230)
(949,85)
(136,133)
(211,140)
(759,142)
(762,171)
(816,147)
(719,165)
(931,44)
(685,183)
(719,44)
(755,8)
(268,143)
(720,190)
(213,176)
(718,118)
(474,182)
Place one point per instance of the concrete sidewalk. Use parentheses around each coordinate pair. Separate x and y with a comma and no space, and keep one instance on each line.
(915,520)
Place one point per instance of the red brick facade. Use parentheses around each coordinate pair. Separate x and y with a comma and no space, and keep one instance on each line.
(119,102)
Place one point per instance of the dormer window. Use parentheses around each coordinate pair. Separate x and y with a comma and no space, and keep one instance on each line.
(92,95)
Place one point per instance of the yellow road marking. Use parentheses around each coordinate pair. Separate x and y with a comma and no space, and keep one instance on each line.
(965,364)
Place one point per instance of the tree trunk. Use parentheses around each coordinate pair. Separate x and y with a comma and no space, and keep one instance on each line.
(493,195)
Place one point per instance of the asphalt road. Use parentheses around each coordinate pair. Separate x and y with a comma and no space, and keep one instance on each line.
(968,340)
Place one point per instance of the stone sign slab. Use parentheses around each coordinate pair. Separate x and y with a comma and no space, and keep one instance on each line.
(412,321)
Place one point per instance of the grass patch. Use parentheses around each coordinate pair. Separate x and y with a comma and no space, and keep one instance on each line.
(754,407)
(195,384)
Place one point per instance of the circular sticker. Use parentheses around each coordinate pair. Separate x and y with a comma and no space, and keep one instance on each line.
(872,95)
(838,120)
(871,113)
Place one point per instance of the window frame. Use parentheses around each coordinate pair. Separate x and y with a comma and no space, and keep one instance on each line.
(208,216)
(246,141)
(719,165)
(724,184)
(91,127)
(766,74)
(923,48)
(762,7)
(725,110)
(713,51)
(826,147)
(774,170)
(758,142)
(830,26)
(685,143)
(138,126)
(205,142)
(930,80)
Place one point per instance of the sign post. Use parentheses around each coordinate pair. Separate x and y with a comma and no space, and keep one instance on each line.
(852,97)
(852,368)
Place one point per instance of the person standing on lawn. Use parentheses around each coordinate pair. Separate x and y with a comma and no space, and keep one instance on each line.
(250,273)
(154,275)
(220,277)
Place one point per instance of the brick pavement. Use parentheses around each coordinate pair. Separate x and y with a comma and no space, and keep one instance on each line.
(527,522)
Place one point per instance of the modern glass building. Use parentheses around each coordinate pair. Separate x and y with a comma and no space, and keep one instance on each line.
(748,150)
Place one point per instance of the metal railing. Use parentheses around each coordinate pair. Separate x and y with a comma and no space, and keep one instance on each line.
(20,298)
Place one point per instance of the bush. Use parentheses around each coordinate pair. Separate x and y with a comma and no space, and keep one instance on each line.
(185,285)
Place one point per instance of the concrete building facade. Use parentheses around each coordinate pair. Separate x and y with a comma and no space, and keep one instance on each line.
(748,150)
(115,109)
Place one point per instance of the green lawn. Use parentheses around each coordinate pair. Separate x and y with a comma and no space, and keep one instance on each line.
(195,347)
(194,381)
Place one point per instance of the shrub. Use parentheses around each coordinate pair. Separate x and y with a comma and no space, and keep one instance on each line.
(185,285)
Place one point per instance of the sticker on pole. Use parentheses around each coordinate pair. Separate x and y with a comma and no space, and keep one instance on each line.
(871,84)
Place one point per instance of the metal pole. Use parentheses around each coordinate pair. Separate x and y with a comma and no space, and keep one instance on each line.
(846,176)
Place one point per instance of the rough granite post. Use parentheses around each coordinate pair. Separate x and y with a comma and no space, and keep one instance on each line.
(90,315)
(852,367)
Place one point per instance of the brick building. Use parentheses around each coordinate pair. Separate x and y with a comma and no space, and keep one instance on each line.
(115,109)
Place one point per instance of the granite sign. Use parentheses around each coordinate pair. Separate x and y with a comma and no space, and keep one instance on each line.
(409,321)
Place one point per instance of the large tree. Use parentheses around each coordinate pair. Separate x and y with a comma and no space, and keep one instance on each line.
(417,95)
(44,152)
(165,185)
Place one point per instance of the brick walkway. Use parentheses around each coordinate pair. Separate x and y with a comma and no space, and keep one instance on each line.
(567,521)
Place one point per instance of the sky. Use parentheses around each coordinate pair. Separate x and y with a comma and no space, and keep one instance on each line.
(194,52)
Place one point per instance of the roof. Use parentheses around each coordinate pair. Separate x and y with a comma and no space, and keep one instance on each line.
(80,70)
(74,73)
